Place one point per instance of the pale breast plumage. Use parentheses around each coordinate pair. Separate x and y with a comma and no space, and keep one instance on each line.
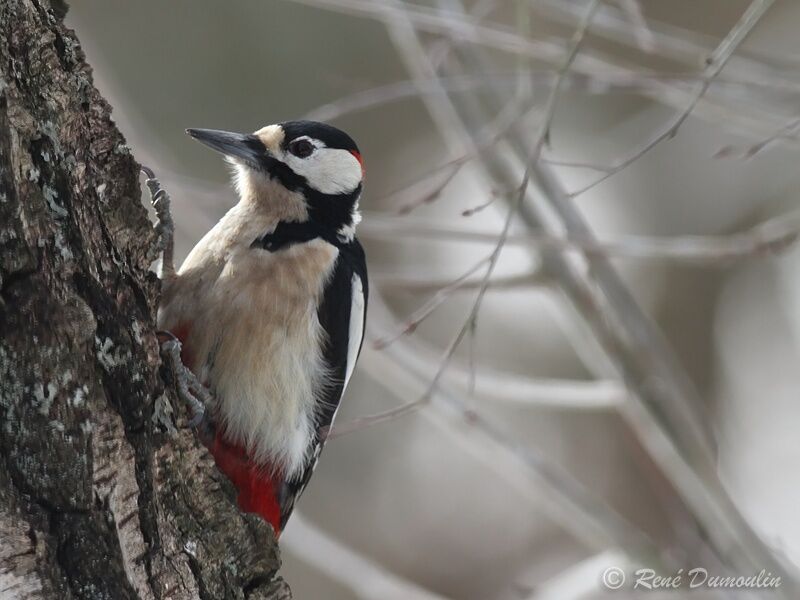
(253,306)
(271,318)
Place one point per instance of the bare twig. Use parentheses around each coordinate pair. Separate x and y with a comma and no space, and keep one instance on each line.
(532,159)
(363,575)
(714,64)
(445,23)
(478,13)
(504,387)
(550,106)
(468,212)
(642,33)
(416,283)
(764,239)
(360,423)
(576,508)
(788,131)
(453,168)
(667,421)
(672,42)
(577,165)
(493,258)
(414,320)
(751,118)
(511,114)
(651,84)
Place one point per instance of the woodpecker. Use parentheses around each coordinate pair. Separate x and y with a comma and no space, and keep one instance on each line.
(270,306)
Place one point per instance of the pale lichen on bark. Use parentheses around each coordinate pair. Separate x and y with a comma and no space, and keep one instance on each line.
(97,498)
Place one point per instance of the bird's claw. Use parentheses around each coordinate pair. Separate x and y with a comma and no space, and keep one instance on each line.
(190,389)
(197,419)
(165,228)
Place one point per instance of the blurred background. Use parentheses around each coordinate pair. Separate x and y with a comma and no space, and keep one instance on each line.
(620,402)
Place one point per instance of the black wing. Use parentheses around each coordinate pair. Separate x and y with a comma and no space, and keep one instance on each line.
(334,316)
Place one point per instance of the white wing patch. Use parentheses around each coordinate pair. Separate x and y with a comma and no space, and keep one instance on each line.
(356,332)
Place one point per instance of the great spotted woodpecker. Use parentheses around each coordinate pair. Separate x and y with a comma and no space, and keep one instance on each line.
(270,306)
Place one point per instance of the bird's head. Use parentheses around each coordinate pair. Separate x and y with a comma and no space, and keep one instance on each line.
(305,170)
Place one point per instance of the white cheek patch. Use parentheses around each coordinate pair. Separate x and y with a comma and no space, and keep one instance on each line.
(328,170)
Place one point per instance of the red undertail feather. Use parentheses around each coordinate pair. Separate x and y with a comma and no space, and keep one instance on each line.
(256,487)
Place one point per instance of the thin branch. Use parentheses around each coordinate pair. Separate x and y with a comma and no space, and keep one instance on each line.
(416,283)
(714,64)
(405,371)
(361,574)
(728,110)
(587,516)
(512,114)
(477,14)
(444,23)
(668,419)
(577,165)
(493,258)
(453,168)
(788,131)
(769,237)
(461,29)
(468,212)
(467,82)
(505,387)
(641,31)
(360,423)
(670,425)
(672,42)
(417,317)
(532,159)
(648,83)
(561,394)
(472,368)
(550,106)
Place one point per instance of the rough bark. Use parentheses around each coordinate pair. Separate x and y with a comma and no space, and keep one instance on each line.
(100,495)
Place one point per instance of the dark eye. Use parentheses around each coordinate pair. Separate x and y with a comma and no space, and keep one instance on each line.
(301,148)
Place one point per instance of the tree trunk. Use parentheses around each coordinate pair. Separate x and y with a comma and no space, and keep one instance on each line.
(100,495)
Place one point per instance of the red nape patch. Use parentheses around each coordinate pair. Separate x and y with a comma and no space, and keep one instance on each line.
(359,159)
(255,485)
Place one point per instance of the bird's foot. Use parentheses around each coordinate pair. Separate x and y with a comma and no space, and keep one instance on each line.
(165,227)
(190,389)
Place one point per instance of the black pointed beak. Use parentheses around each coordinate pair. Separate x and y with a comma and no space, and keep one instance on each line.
(238,145)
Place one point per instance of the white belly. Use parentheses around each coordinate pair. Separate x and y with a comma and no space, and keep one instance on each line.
(257,345)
